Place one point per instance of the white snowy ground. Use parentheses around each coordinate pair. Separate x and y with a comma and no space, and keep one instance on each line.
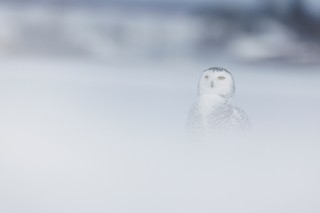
(91,137)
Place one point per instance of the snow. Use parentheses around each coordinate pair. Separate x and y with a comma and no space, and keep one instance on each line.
(85,136)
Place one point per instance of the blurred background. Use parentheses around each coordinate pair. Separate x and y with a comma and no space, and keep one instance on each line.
(94,96)
(249,31)
(246,31)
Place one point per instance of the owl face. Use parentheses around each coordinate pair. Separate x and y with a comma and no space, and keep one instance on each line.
(216,81)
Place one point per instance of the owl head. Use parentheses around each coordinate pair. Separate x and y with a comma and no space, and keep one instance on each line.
(216,81)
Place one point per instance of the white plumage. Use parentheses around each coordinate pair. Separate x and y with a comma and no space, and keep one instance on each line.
(214,112)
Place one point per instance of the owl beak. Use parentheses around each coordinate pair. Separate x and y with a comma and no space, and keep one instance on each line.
(211,84)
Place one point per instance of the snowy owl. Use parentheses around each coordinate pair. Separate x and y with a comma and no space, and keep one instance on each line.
(214,112)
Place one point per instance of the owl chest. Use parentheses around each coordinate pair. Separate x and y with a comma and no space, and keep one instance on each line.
(214,116)
(207,110)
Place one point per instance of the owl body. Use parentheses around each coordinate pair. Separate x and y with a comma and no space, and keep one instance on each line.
(213,111)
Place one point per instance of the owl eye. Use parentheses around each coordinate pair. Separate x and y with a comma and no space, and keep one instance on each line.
(221,78)
(206,77)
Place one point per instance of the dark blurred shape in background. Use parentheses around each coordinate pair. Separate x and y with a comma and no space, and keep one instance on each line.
(258,31)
